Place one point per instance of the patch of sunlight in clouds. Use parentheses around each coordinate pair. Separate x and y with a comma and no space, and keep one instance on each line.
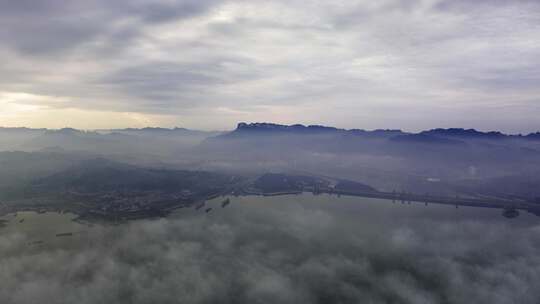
(31,110)
(13,104)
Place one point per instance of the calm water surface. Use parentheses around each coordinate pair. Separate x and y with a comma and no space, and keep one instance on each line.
(353,213)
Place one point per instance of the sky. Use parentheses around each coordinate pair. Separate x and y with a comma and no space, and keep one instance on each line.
(208,64)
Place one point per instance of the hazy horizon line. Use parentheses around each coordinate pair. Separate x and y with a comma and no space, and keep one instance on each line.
(274,123)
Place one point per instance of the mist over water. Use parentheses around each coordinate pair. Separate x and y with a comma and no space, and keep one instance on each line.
(289,249)
(297,122)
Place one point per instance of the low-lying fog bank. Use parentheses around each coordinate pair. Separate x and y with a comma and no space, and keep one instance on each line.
(292,249)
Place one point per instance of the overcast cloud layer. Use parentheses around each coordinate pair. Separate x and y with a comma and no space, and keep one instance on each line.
(314,252)
(408,64)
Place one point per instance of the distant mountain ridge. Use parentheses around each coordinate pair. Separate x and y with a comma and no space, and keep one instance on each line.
(19,129)
(74,130)
(273,127)
(161,131)
(445,132)
(465,146)
(263,127)
(464,132)
(534,136)
(165,141)
(117,141)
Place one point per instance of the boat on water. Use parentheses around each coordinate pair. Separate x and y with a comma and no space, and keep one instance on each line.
(510,212)
(64,234)
(225,203)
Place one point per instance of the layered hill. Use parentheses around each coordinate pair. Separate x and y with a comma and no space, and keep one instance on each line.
(438,160)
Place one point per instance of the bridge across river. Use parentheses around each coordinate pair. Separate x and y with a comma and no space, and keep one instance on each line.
(407,197)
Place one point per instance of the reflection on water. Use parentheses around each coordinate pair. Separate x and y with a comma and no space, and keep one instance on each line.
(49,229)
(286,249)
(366,209)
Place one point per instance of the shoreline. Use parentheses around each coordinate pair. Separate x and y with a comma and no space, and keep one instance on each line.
(92,215)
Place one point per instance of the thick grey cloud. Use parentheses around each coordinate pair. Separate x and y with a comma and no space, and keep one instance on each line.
(56,25)
(287,252)
(161,84)
(351,64)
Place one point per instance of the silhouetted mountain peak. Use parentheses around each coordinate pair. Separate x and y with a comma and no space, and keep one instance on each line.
(533,136)
(464,133)
(69,132)
(296,128)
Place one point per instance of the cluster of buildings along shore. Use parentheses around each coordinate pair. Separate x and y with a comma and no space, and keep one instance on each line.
(120,205)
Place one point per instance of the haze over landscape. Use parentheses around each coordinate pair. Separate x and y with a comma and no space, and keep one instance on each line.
(231,151)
